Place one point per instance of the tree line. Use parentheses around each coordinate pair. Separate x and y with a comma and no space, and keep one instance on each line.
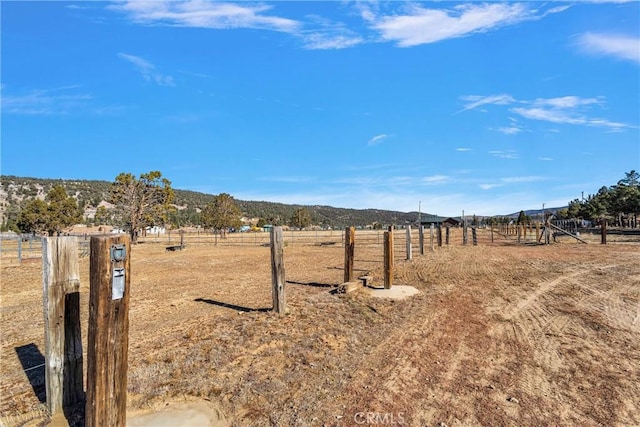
(139,202)
(618,204)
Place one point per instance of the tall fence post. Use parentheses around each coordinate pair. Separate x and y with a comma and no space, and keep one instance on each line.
(431,236)
(388,258)
(446,235)
(421,238)
(603,232)
(349,251)
(409,250)
(62,334)
(277,270)
(439,235)
(474,236)
(20,249)
(110,279)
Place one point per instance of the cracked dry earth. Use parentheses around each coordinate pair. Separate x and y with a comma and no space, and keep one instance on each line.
(499,335)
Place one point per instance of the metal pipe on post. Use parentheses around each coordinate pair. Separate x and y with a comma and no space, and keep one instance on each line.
(408,243)
(107,351)
(421,239)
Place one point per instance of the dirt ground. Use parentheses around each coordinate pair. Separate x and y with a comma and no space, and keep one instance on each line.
(500,334)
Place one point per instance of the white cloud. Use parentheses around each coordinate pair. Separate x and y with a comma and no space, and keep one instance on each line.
(475,101)
(378,139)
(419,25)
(521,179)
(489,186)
(205,14)
(563,110)
(435,179)
(508,154)
(567,101)
(57,101)
(322,41)
(462,149)
(568,116)
(148,70)
(619,46)
(510,130)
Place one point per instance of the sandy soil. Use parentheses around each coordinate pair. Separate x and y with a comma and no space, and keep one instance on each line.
(499,334)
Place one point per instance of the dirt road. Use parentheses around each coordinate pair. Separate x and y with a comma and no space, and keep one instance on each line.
(499,335)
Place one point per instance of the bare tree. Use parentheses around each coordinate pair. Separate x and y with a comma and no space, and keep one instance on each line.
(141,202)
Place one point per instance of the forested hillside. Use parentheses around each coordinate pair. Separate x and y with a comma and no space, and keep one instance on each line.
(15,191)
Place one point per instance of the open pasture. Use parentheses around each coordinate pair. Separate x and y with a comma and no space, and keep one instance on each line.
(501,334)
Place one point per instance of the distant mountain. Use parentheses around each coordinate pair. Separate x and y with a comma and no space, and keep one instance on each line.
(91,193)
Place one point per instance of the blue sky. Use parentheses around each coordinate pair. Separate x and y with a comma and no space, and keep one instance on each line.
(487,107)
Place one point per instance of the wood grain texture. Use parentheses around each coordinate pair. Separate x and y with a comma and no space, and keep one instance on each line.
(63,339)
(108,336)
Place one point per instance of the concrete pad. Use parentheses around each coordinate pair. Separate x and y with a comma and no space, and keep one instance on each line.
(179,414)
(396,292)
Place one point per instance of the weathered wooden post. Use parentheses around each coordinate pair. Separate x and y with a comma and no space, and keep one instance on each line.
(518,231)
(431,236)
(388,258)
(110,279)
(446,235)
(603,232)
(20,249)
(491,233)
(408,243)
(474,236)
(538,232)
(277,270)
(181,239)
(421,239)
(439,235)
(349,251)
(62,335)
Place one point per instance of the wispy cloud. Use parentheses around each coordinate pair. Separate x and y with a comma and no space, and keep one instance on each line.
(562,110)
(504,154)
(57,101)
(619,46)
(326,40)
(521,179)
(377,139)
(148,70)
(475,101)
(463,149)
(419,25)
(205,14)
(435,179)
(489,186)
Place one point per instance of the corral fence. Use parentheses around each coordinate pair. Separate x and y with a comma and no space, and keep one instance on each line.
(18,248)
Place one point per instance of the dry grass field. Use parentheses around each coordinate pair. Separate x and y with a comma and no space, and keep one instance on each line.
(501,334)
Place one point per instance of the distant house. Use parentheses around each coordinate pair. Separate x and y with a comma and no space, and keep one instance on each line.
(426,220)
(451,222)
(155,230)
